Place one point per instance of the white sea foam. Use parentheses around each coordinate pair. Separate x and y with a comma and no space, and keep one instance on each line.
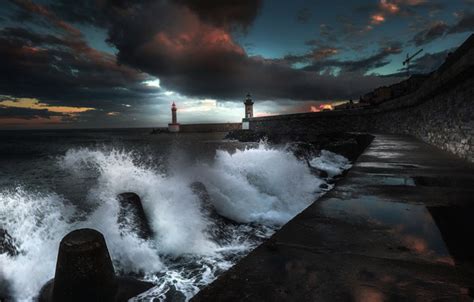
(37,222)
(172,207)
(334,164)
(263,185)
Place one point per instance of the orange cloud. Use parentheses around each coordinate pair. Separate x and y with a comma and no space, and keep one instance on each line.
(195,38)
(30,103)
(389,7)
(377,19)
(322,53)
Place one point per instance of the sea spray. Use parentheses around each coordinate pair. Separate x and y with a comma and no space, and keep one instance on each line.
(258,188)
(334,164)
(37,222)
(263,184)
(169,202)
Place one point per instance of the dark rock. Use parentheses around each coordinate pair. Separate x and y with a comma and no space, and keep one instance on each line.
(303,150)
(347,148)
(129,287)
(349,145)
(220,224)
(159,130)
(84,272)
(5,291)
(7,244)
(318,172)
(199,189)
(174,295)
(324,186)
(272,246)
(132,216)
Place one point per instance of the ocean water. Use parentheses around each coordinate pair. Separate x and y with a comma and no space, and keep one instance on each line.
(209,202)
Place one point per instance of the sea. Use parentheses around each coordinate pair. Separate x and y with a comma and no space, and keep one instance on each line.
(208,200)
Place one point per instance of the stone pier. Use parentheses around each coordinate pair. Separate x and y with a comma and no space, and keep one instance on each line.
(398,227)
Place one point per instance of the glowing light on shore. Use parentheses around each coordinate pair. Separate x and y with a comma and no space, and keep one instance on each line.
(321,107)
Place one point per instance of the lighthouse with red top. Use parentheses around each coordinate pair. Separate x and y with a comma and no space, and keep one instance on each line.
(174,125)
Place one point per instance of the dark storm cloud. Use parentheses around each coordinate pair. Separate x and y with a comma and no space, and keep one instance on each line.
(230,13)
(227,13)
(30,38)
(188,45)
(199,58)
(433,32)
(54,68)
(267,80)
(35,10)
(465,24)
(361,66)
(84,11)
(26,113)
(439,29)
(316,54)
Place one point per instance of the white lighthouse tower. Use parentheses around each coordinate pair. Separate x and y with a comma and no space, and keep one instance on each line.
(174,125)
(248,106)
(248,112)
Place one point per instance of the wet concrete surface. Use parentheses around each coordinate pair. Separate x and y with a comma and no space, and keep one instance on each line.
(398,227)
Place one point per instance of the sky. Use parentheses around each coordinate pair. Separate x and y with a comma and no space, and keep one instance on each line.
(122,63)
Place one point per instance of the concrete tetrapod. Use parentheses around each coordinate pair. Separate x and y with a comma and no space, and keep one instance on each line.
(84,272)
(132,216)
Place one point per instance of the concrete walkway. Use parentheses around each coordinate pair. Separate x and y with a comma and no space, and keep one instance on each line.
(398,227)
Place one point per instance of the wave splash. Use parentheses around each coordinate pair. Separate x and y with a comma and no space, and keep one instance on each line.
(256,190)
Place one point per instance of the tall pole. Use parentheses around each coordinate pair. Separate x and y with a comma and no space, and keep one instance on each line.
(408,60)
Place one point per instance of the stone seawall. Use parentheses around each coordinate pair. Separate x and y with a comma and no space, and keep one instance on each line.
(440,112)
(220,127)
(445,121)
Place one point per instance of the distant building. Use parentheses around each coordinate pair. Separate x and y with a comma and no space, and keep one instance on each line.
(402,88)
(248,111)
(345,106)
(174,125)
